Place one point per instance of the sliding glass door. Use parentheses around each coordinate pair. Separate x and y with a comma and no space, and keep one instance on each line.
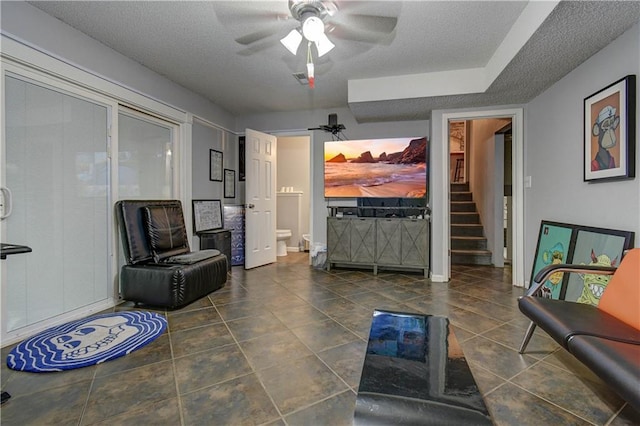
(145,159)
(56,167)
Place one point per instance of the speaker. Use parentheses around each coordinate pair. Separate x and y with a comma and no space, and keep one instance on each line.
(333,120)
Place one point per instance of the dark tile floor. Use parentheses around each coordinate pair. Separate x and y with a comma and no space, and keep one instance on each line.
(284,345)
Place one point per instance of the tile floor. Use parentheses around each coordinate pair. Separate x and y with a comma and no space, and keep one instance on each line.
(284,344)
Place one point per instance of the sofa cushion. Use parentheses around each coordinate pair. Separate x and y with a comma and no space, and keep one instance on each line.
(192,257)
(621,296)
(561,320)
(166,232)
(616,363)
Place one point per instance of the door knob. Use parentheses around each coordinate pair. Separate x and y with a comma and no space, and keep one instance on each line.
(250,206)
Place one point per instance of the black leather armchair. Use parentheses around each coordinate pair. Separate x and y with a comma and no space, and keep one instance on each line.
(161,270)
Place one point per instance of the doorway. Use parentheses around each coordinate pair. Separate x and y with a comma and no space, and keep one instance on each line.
(293,186)
(477,190)
(441,218)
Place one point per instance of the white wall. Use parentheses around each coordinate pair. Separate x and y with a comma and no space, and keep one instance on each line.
(302,120)
(554,153)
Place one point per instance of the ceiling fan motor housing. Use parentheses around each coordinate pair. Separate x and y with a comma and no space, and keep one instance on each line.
(302,9)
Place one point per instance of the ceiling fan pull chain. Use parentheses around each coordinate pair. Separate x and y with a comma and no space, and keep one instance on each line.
(310,67)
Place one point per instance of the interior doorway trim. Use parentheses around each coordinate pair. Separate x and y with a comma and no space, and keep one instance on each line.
(517,116)
(309,134)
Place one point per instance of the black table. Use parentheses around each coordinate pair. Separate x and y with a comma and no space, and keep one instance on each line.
(415,373)
(7,249)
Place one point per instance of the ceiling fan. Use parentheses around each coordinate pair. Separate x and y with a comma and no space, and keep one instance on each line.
(332,127)
(320,20)
(317,18)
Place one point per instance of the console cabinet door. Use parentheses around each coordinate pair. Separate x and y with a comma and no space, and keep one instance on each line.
(363,236)
(339,239)
(415,237)
(388,242)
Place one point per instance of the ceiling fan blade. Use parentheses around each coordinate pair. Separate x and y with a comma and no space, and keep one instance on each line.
(380,24)
(365,23)
(257,36)
(248,13)
(347,32)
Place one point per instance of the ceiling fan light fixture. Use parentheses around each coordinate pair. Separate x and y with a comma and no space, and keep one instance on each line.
(313,28)
(292,41)
(324,45)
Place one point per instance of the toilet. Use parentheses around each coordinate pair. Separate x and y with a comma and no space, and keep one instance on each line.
(282,235)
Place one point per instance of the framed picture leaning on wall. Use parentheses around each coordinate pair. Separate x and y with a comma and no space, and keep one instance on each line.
(610,132)
(207,215)
(595,246)
(554,246)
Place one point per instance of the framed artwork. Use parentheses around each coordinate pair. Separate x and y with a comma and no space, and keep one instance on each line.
(610,132)
(595,246)
(207,215)
(215,165)
(554,246)
(229,183)
(457,136)
(241,159)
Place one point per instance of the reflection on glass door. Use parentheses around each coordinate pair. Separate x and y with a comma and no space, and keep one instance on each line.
(56,166)
(145,160)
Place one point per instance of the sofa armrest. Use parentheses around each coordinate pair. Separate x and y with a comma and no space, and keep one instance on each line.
(545,272)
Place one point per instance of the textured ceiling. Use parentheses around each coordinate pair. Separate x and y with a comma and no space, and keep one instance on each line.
(193,44)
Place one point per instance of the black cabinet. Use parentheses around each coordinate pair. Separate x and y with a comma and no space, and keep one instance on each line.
(219,239)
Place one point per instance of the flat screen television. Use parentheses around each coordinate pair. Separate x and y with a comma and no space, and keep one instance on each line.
(376,168)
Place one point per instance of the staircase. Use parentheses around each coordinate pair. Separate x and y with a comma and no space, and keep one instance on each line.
(468,244)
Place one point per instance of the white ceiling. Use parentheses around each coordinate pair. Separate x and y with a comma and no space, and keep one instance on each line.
(445,54)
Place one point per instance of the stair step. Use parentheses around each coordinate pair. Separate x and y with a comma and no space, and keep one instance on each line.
(459,187)
(463,206)
(471,257)
(461,196)
(468,243)
(467,230)
(465,218)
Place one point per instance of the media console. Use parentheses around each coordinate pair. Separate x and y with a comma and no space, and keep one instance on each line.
(388,242)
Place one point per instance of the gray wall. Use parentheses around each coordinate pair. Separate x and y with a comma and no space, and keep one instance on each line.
(554,153)
(280,122)
(29,24)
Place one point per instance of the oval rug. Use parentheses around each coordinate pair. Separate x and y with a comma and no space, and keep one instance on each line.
(87,341)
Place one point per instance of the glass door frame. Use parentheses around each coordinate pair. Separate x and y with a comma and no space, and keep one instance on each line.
(28,75)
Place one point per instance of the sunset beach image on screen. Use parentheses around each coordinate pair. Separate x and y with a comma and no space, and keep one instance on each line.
(393,167)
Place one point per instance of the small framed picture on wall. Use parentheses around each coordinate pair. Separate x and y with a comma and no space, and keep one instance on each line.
(215,165)
(229,183)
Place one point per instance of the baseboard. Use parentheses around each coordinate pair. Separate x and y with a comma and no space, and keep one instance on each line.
(438,278)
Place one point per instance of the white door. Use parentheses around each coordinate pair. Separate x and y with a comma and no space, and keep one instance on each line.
(260,187)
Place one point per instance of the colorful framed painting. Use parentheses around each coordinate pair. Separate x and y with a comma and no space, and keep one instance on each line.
(610,132)
(595,246)
(554,246)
